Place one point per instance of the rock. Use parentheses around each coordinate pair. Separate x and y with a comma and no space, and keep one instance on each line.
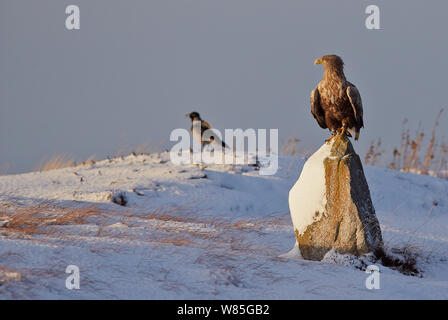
(330,204)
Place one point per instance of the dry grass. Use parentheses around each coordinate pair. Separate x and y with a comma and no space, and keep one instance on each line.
(89,162)
(414,154)
(402,259)
(62,161)
(9,275)
(183,226)
(290,146)
(178,226)
(34,219)
(56,162)
(182,214)
(374,153)
(65,161)
(143,148)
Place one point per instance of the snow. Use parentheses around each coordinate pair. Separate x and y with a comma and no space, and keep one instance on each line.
(308,195)
(219,232)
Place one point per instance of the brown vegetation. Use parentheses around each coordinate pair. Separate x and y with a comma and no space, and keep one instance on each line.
(9,275)
(34,219)
(290,147)
(168,225)
(402,259)
(56,162)
(374,153)
(62,161)
(413,155)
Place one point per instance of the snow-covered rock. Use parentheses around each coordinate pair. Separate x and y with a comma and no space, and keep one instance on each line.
(330,204)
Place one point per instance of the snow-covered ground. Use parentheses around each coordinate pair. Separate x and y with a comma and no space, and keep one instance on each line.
(188,232)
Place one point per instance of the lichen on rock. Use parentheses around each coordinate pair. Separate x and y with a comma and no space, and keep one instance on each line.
(344,218)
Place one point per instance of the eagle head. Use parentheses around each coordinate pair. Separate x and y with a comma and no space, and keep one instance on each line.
(331,61)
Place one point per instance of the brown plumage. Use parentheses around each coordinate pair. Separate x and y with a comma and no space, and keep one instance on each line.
(336,103)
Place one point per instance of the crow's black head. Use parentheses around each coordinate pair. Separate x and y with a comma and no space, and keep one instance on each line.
(193,116)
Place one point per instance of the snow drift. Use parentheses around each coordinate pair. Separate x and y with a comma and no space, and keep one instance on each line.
(188,233)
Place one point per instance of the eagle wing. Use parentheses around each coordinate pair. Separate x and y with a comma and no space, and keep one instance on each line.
(356,102)
(316,109)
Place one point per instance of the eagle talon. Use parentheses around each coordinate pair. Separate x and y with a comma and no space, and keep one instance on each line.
(344,131)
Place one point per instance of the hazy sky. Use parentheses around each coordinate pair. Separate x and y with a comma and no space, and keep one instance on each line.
(135,68)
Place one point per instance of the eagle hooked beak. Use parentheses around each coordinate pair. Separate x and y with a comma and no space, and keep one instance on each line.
(318,61)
